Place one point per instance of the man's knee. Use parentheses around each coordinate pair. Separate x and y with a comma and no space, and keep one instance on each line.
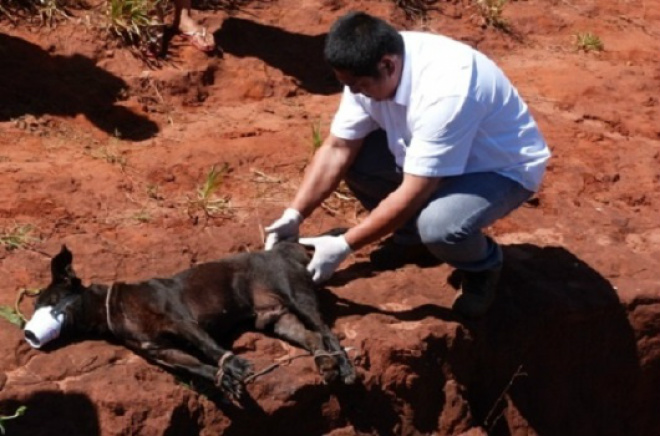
(444,229)
(443,236)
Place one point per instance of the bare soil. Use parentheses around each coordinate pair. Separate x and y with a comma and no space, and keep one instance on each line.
(106,154)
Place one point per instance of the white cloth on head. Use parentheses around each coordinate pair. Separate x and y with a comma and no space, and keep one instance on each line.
(43,327)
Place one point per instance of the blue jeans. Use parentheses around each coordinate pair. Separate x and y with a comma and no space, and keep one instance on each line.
(450,223)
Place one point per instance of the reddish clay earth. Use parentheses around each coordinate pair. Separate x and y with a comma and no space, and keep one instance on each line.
(104,154)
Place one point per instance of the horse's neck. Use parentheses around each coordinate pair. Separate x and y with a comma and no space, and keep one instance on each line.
(95,310)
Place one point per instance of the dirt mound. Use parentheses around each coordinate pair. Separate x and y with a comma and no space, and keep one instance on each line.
(107,155)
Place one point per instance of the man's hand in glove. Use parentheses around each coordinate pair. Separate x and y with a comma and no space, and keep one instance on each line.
(285,228)
(329,252)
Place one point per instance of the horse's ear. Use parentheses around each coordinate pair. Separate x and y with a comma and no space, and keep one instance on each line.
(61,266)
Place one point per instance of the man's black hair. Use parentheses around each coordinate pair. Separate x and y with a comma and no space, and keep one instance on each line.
(357,42)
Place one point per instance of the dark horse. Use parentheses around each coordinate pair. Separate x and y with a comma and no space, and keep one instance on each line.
(173,321)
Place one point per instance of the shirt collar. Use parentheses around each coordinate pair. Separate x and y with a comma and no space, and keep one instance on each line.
(402,95)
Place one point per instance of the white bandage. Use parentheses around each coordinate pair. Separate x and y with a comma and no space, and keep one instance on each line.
(43,327)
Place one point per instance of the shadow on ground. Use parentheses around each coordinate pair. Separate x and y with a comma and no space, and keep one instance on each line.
(35,82)
(295,54)
(557,347)
(50,413)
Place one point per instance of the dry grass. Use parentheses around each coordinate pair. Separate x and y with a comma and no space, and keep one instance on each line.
(10,314)
(587,41)
(136,23)
(142,216)
(109,154)
(491,12)
(18,236)
(415,9)
(42,12)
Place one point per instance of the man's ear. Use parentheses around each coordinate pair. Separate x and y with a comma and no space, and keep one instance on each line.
(61,266)
(389,64)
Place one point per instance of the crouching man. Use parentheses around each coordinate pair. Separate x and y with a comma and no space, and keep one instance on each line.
(434,141)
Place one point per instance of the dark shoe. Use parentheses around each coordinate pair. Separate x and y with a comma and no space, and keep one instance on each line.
(478,290)
(391,255)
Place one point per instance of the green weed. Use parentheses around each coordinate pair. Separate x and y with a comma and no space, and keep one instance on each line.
(137,22)
(19,236)
(19,412)
(317,139)
(10,314)
(206,194)
(587,42)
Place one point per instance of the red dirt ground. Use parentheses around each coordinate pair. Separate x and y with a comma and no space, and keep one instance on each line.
(105,154)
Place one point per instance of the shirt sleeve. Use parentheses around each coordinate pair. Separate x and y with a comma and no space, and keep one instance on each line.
(352,121)
(442,137)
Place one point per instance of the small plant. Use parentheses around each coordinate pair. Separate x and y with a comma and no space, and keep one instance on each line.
(317,139)
(587,42)
(19,412)
(206,194)
(17,237)
(12,316)
(491,12)
(211,183)
(137,22)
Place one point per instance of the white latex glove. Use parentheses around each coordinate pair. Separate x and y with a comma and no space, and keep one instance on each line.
(329,252)
(286,227)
